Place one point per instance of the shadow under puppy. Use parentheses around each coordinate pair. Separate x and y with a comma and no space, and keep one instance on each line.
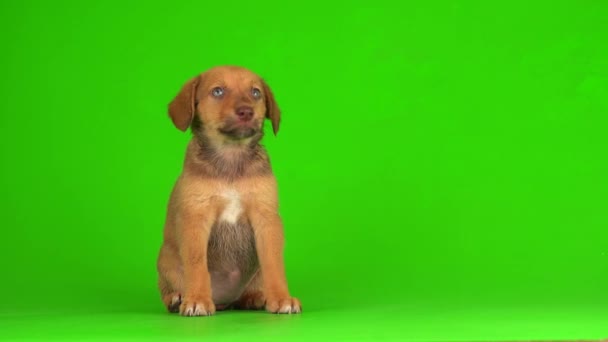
(223,236)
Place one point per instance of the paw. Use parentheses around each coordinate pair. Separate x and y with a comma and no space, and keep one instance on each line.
(197,306)
(253,300)
(172,301)
(285,305)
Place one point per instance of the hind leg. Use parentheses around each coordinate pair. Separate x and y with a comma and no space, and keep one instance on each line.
(253,297)
(169,279)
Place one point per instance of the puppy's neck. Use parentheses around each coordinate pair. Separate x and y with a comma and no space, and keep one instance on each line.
(222,157)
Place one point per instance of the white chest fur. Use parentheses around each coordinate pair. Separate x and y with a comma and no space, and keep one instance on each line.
(233,208)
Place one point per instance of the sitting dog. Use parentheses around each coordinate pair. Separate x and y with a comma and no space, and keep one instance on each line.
(223,236)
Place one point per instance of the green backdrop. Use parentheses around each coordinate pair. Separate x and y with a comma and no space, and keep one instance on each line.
(442,166)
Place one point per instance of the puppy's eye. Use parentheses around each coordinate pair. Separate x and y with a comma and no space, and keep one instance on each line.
(256,93)
(217,92)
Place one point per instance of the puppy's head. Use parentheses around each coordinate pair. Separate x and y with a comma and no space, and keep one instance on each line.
(225,102)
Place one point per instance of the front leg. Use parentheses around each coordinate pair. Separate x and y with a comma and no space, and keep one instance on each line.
(268,229)
(194,227)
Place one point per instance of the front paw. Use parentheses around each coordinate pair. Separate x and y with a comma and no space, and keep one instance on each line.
(197,306)
(284,305)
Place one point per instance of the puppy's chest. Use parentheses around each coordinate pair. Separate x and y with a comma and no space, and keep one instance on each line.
(232,209)
(231,242)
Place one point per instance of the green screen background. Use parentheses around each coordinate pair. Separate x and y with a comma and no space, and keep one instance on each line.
(442,166)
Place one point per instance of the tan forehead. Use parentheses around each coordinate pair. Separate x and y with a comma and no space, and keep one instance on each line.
(230,75)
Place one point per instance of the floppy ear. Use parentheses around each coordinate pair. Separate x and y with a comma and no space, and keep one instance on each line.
(181,108)
(272,109)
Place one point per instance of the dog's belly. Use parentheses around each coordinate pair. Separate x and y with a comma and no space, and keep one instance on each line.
(232,260)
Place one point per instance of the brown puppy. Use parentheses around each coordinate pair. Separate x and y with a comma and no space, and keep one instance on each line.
(223,236)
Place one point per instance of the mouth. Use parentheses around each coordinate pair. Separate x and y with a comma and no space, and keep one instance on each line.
(238,131)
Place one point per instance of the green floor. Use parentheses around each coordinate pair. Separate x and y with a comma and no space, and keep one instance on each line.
(397,322)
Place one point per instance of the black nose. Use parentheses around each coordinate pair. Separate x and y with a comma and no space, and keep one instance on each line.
(244,113)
